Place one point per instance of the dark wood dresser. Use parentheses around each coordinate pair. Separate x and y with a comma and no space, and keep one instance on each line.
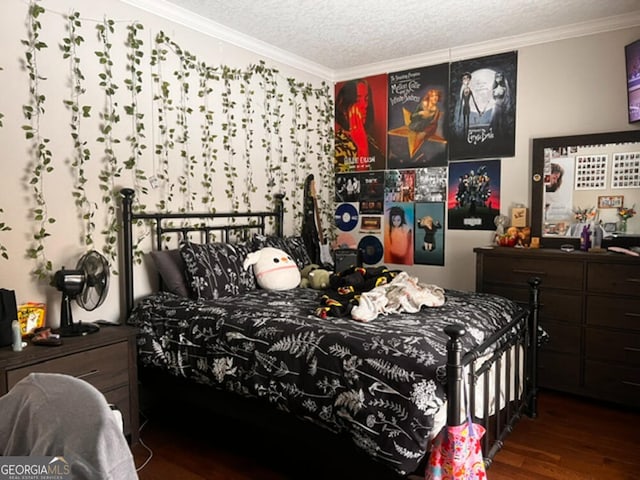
(106,359)
(590,306)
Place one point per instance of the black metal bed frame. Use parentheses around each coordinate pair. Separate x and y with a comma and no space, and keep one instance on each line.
(518,338)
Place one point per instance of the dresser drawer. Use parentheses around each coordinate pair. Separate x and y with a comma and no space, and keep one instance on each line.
(560,306)
(614,278)
(517,270)
(611,346)
(105,367)
(620,384)
(621,312)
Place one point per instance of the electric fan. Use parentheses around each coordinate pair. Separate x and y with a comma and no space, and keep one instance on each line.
(88,285)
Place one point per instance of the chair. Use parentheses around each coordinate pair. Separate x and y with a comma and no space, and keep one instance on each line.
(58,415)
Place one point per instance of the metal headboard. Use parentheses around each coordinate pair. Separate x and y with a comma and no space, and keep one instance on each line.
(163,225)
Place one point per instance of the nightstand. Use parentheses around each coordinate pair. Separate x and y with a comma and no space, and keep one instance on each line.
(106,359)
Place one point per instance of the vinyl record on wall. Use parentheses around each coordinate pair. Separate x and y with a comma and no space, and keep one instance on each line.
(346,217)
(371,249)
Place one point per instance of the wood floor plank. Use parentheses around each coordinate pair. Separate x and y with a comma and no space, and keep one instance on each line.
(571,439)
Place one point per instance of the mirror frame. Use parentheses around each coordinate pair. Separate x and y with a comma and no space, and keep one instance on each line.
(537,175)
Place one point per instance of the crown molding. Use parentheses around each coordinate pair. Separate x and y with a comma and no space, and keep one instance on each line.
(196,22)
(492,47)
(208,27)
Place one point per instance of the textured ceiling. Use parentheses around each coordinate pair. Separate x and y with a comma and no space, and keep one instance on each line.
(342,34)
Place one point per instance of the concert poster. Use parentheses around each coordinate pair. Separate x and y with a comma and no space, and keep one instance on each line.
(361,124)
(482,107)
(474,195)
(371,192)
(418,113)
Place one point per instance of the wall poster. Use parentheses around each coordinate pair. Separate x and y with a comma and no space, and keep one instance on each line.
(418,117)
(361,124)
(429,236)
(398,233)
(474,195)
(482,107)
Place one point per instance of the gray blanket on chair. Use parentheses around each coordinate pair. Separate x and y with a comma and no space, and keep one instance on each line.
(61,416)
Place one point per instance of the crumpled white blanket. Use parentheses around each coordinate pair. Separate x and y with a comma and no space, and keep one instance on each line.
(403,294)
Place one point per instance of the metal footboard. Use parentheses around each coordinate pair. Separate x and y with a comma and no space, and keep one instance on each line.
(498,377)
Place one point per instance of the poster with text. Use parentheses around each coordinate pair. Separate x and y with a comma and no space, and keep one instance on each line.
(482,107)
(429,233)
(361,124)
(371,192)
(418,115)
(474,195)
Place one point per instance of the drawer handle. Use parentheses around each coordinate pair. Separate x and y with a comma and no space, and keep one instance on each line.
(632,384)
(90,373)
(529,272)
(631,314)
(631,349)
(632,280)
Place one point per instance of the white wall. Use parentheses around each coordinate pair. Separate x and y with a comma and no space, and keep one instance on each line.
(566,87)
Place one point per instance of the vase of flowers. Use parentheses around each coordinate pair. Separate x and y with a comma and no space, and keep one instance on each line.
(625,213)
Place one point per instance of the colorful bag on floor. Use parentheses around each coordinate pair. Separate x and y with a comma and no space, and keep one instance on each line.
(456,454)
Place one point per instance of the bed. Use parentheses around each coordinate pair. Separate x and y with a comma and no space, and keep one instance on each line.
(386,386)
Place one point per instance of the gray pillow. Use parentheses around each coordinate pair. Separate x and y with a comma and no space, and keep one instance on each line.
(170,266)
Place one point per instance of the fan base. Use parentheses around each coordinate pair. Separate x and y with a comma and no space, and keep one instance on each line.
(78,329)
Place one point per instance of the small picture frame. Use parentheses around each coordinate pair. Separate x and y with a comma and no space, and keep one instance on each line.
(610,201)
(610,227)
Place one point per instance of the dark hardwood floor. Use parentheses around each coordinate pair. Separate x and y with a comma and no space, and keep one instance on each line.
(572,438)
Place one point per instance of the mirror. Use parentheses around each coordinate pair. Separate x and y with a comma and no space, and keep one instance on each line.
(584,178)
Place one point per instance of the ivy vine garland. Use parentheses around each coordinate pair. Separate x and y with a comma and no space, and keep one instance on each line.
(232,124)
(41,161)
(109,117)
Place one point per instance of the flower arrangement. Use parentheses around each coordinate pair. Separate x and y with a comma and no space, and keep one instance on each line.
(625,213)
(583,215)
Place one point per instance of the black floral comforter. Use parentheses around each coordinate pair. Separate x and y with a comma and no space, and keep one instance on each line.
(380,382)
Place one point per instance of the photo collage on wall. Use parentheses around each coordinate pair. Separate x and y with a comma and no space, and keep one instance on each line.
(416,154)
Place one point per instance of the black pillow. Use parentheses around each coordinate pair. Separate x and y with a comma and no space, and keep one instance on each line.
(293,245)
(216,270)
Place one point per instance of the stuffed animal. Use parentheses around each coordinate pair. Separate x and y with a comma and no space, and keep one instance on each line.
(319,278)
(274,269)
(304,274)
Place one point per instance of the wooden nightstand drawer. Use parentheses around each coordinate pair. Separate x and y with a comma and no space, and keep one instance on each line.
(105,367)
(614,279)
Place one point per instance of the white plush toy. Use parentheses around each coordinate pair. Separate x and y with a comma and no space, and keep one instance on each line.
(274,269)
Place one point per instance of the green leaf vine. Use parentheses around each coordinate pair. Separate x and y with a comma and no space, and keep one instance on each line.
(230,130)
(208,137)
(324,155)
(82,154)
(136,139)
(184,111)
(137,136)
(4,228)
(109,117)
(246,123)
(41,163)
(165,143)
